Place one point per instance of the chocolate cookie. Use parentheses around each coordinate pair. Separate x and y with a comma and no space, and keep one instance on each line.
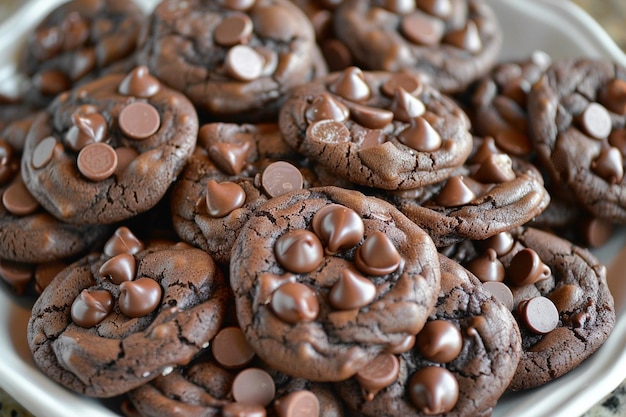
(77,40)
(229,381)
(558,294)
(377,129)
(235,60)
(578,121)
(492,193)
(109,150)
(234,170)
(326,278)
(112,322)
(451,43)
(459,365)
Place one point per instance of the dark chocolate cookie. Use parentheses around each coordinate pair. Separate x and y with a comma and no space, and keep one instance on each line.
(110,149)
(451,43)
(234,170)
(460,364)
(112,322)
(235,60)
(558,294)
(377,129)
(326,278)
(578,119)
(77,40)
(492,193)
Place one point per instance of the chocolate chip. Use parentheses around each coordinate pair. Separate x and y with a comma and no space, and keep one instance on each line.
(350,84)
(139,83)
(377,255)
(495,169)
(502,243)
(466,38)
(405,106)
(613,96)
(486,148)
(421,136)
(351,291)
(455,193)
(404,80)
(281,177)
(487,267)
(338,227)
(18,200)
(118,269)
(439,341)
(513,141)
(326,107)
(139,120)
(527,268)
(97,161)
(399,6)
(16,274)
(299,251)
(244,63)
(337,54)
(125,155)
(422,29)
(439,8)
(328,131)
(233,30)
(381,372)
(253,386)
(51,82)
(294,302)
(243,410)
(501,292)
(224,197)
(301,403)
(433,390)
(45,273)
(372,138)
(609,165)
(370,117)
(91,307)
(596,231)
(140,297)
(45,151)
(595,120)
(539,314)
(511,112)
(231,349)
(86,129)
(230,157)
(123,241)
(617,138)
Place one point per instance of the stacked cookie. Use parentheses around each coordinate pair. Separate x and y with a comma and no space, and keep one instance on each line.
(227,228)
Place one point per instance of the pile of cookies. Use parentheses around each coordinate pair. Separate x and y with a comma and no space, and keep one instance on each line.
(333,208)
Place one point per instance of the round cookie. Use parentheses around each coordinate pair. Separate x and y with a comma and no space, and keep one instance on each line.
(460,364)
(578,122)
(450,42)
(558,294)
(234,60)
(77,40)
(377,129)
(327,278)
(234,169)
(492,193)
(110,149)
(114,321)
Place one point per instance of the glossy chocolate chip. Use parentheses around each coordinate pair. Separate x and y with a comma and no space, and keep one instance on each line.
(294,302)
(234,29)
(502,243)
(91,307)
(222,198)
(125,156)
(404,80)
(539,314)
(421,136)
(595,120)
(433,390)
(299,251)
(399,6)
(439,8)
(377,255)
(351,291)
(243,410)
(350,84)
(381,372)
(281,177)
(487,266)
(466,38)
(370,117)
(406,106)
(439,341)
(495,169)
(241,5)
(328,131)
(338,227)
(326,107)
(18,200)
(139,120)
(302,403)
(244,63)
(123,241)
(337,54)
(16,274)
(501,292)
(253,386)
(513,141)
(230,157)
(609,165)
(596,231)
(97,161)
(86,129)
(119,268)
(231,349)
(45,151)
(527,268)
(139,83)
(486,148)
(140,297)
(455,193)
(422,29)
(46,272)
(403,346)
(613,96)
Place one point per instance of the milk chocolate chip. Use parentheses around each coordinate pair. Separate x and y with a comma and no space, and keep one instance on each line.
(338,227)
(433,390)
(439,341)
(140,297)
(91,307)
(378,374)
(377,255)
(294,302)
(299,251)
